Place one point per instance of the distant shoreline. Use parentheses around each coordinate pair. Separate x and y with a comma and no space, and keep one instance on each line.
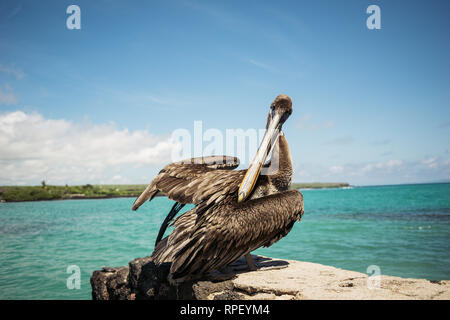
(74,198)
(88,191)
(92,192)
(319,185)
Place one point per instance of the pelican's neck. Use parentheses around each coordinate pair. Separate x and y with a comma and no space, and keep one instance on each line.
(281,179)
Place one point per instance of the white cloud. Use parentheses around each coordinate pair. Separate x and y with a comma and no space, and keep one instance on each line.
(381,142)
(340,141)
(305,122)
(302,173)
(431,162)
(387,165)
(336,169)
(33,148)
(391,164)
(263,65)
(17,73)
(7,97)
(377,172)
(14,12)
(367,168)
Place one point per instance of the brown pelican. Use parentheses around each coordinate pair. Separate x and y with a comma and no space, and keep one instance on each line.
(235,212)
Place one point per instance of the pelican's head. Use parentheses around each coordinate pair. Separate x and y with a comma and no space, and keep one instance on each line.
(282,106)
(280,110)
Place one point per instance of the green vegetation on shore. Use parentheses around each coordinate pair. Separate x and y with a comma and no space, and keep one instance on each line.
(88,191)
(49,192)
(319,185)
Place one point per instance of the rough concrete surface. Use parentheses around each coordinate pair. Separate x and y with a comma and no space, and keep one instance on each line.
(275,279)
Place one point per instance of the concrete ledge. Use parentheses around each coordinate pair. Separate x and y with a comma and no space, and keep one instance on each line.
(276,279)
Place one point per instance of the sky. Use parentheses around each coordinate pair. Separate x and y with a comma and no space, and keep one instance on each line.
(99,104)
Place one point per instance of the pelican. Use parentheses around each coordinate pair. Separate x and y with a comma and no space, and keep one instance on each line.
(236,211)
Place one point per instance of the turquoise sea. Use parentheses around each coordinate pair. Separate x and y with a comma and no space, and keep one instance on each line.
(402,229)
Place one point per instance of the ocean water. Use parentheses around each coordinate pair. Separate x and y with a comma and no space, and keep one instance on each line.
(403,230)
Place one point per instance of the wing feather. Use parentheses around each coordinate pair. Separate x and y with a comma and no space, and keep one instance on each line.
(194,180)
(209,238)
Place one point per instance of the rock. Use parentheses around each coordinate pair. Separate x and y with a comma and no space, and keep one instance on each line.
(274,280)
(110,284)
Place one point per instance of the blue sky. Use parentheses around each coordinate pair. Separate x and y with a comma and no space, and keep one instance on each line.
(97,105)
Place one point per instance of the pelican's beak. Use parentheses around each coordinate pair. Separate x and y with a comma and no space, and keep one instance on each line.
(270,136)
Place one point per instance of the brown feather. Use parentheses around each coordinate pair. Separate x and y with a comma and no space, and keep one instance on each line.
(219,230)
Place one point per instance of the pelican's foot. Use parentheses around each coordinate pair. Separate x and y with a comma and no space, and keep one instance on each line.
(272,268)
(247,264)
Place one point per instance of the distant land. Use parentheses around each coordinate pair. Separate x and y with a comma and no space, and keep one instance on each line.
(319,185)
(103,191)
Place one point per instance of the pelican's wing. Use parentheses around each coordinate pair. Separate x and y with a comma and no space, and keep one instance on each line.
(202,242)
(194,180)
